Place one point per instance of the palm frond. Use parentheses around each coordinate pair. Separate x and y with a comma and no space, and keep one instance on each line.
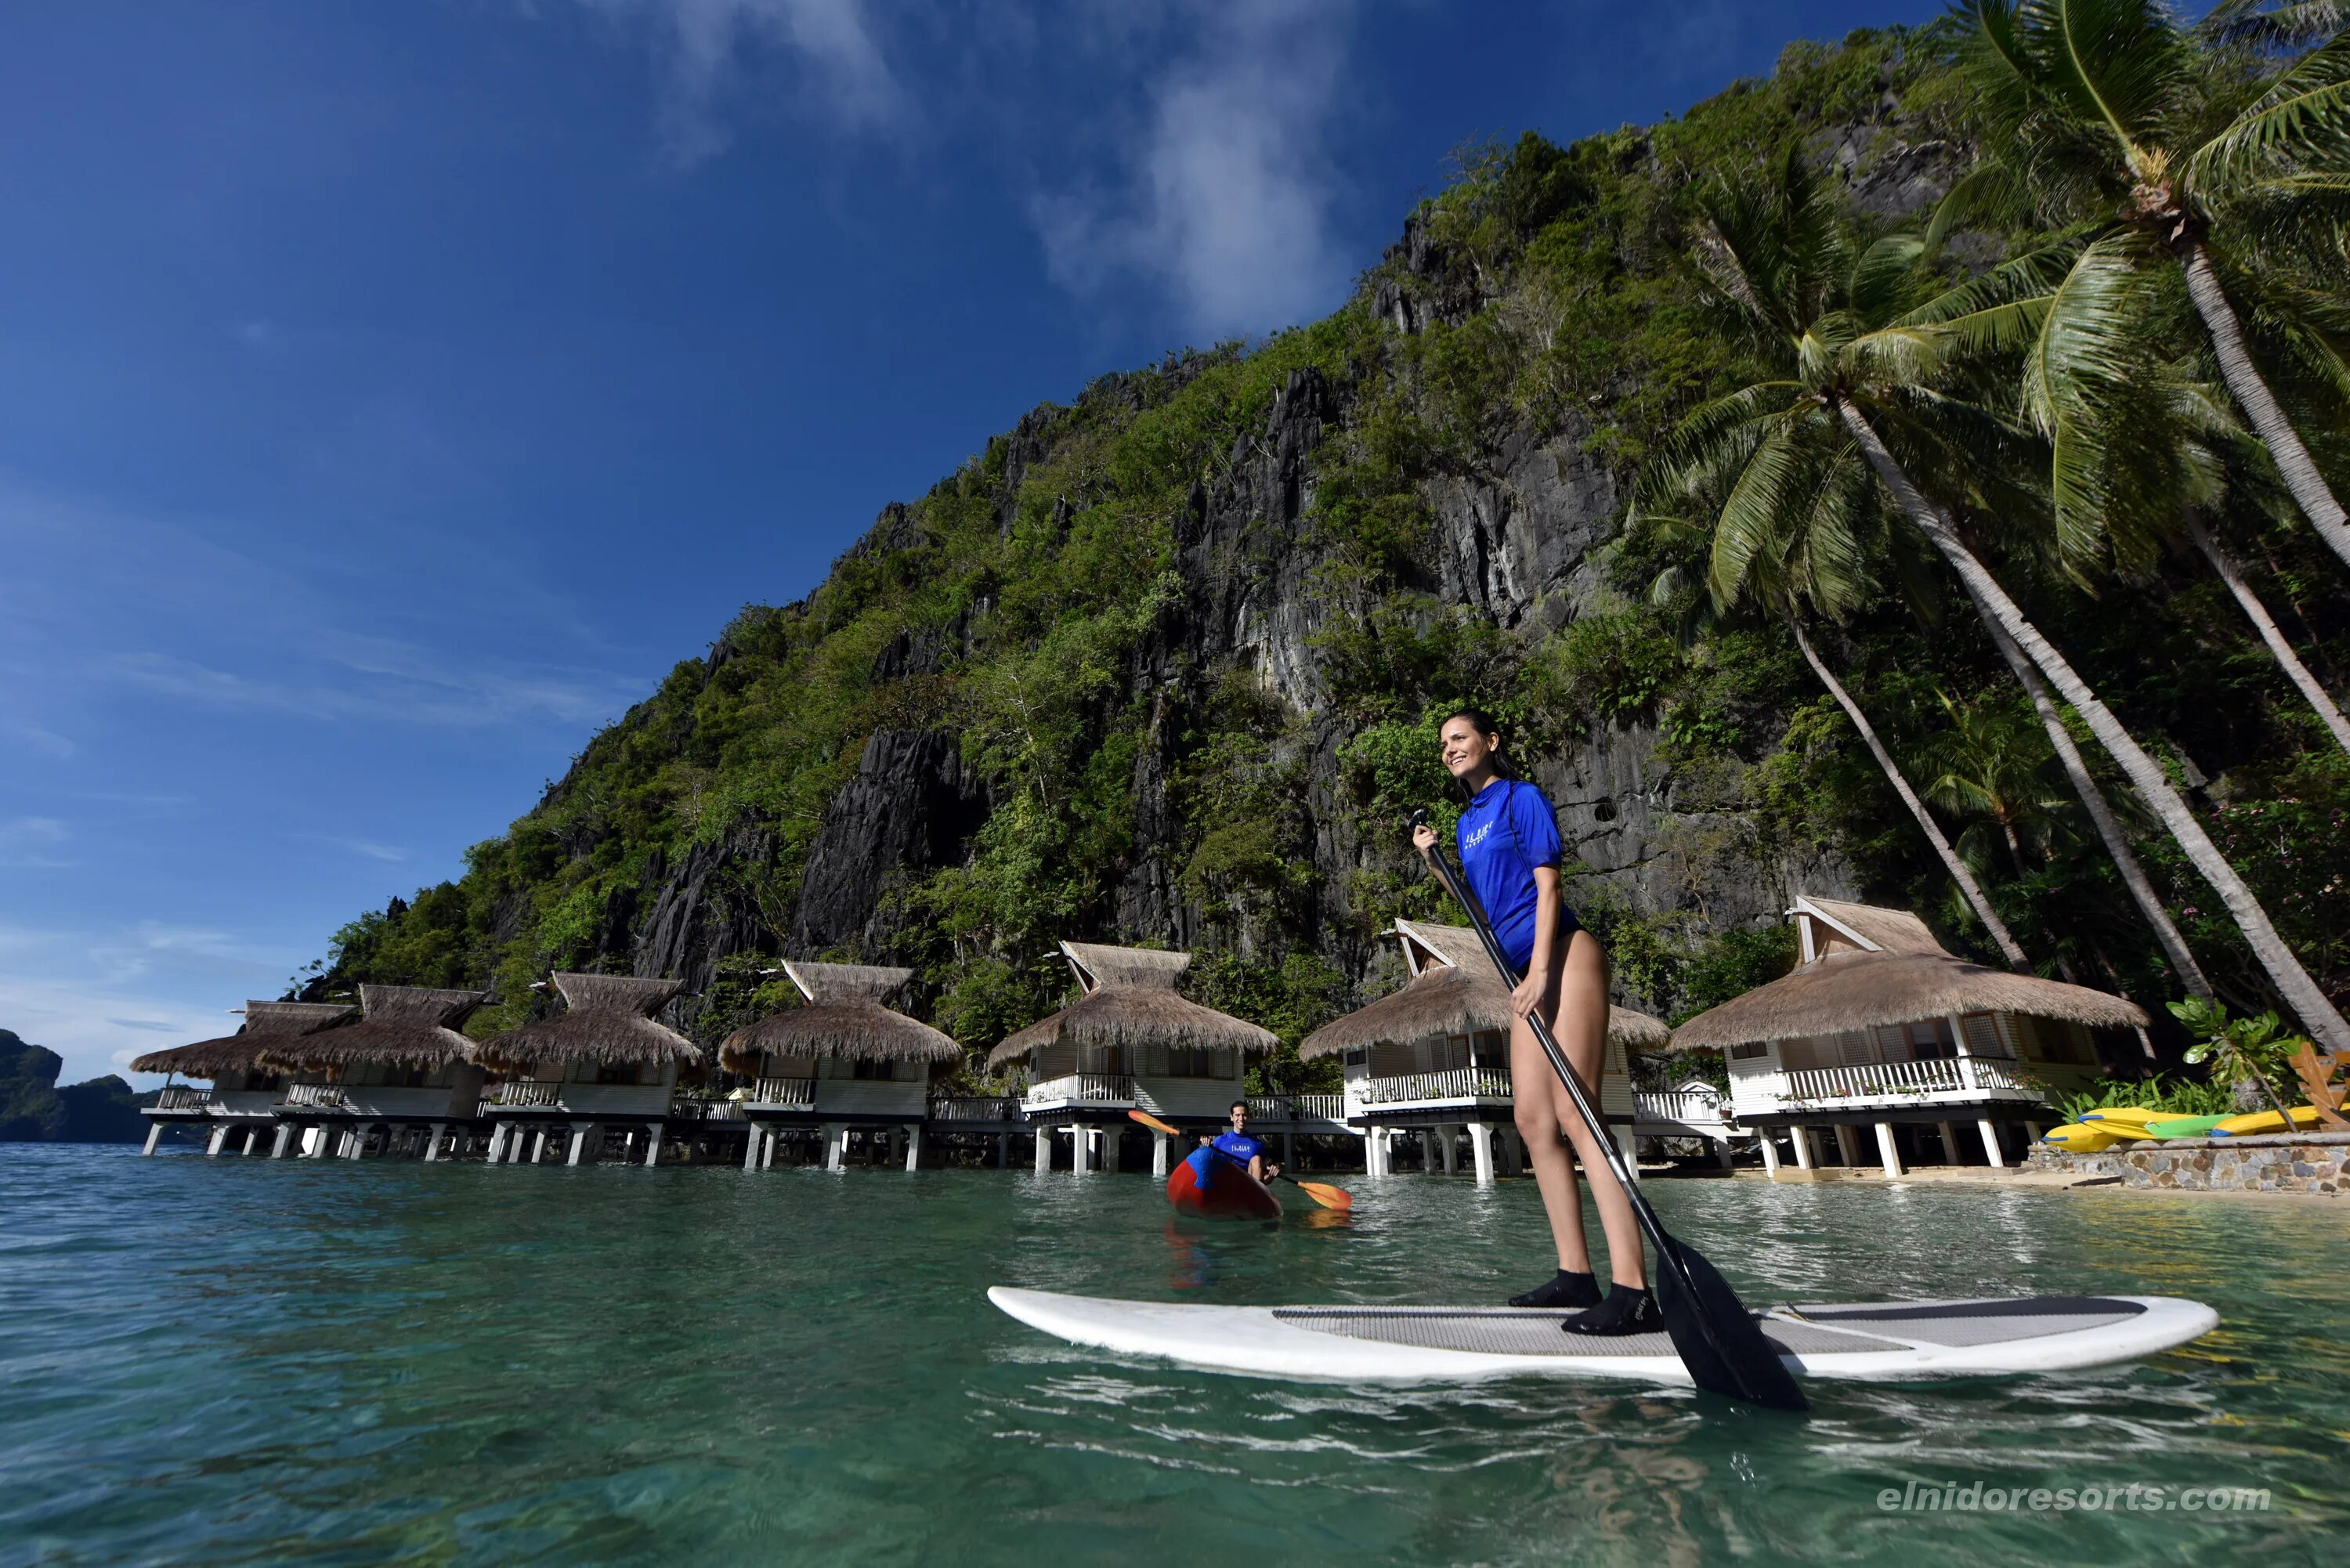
(2299,129)
(2266,23)
(1991,192)
(1756,514)
(1707,437)
(2123,64)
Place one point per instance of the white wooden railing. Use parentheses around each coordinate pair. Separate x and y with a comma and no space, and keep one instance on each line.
(976,1108)
(316,1097)
(1688,1106)
(1455,1083)
(694,1108)
(1886,1080)
(1085,1088)
(784,1092)
(1298,1107)
(527,1093)
(183,1097)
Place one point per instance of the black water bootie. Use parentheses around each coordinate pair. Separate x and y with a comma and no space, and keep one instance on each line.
(1568,1290)
(1626,1311)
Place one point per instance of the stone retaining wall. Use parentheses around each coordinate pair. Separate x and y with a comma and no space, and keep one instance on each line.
(2281,1162)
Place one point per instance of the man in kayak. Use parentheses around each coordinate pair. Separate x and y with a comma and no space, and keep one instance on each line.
(1244,1149)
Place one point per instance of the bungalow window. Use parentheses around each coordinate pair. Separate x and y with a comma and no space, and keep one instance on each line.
(1749,1051)
(1931,1041)
(405,1077)
(1360,1057)
(618,1073)
(872,1071)
(1195,1062)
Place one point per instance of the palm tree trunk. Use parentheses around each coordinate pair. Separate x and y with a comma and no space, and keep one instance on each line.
(2109,828)
(2298,469)
(1950,861)
(2301,993)
(2259,614)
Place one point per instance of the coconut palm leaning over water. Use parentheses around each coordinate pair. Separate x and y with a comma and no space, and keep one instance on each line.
(2109,117)
(1867,355)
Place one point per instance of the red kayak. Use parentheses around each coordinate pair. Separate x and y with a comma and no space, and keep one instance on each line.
(1231,1190)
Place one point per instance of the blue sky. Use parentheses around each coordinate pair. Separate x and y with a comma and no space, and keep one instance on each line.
(390,393)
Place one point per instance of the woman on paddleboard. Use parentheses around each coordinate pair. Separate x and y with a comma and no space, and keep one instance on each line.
(1510,852)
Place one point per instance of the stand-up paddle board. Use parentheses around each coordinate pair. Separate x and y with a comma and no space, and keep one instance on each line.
(1874,1341)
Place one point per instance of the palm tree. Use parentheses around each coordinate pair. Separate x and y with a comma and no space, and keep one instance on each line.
(2109,828)
(1856,354)
(1991,761)
(1951,860)
(1818,559)
(2099,99)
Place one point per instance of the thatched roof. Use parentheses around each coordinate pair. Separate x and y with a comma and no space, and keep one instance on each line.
(1856,991)
(1456,992)
(854,1029)
(843,1017)
(1098,965)
(1131,1000)
(606,1018)
(1883,930)
(241,1052)
(405,1025)
(846,982)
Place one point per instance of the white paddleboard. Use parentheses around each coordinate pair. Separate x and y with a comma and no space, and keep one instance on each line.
(1870,1341)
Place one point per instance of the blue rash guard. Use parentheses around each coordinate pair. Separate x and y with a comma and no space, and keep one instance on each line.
(1508,830)
(1239,1145)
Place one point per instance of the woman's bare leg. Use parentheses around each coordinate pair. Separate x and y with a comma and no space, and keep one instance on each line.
(1537,1115)
(1581,1031)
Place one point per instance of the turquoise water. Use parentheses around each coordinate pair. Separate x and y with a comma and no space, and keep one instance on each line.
(236,1361)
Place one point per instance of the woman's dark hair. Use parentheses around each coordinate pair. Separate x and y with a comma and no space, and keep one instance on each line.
(1485,724)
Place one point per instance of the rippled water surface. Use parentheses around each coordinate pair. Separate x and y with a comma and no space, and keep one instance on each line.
(238,1361)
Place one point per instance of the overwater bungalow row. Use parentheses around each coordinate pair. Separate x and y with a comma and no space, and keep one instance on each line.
(1431,1060)
(1880,1027)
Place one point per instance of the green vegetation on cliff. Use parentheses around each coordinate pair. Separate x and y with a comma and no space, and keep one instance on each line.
(1063,607)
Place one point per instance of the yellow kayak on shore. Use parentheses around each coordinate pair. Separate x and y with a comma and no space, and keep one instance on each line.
(2124,1115)
(2264,1122)
(2082,1138)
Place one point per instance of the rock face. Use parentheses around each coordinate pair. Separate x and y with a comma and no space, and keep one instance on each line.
(1512,537)
(908,811)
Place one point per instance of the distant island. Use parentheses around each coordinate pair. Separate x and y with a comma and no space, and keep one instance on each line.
(34,1109)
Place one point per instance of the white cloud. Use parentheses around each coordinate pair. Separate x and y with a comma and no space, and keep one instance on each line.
(27,841)
(708,43)
(1225,193)
(48,742)
(366,846)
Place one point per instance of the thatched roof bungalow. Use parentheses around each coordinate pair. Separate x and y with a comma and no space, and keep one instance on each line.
(842,1059)
(1879,1024)
(1434,1054)
(403,1064)
(246,1089)
(601,1062)
(1131,1040)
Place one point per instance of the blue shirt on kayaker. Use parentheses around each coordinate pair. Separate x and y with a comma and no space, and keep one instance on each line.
(1509,828)
(1245,1152)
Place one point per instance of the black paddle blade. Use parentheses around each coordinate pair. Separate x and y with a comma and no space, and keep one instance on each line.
(1718,1338)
